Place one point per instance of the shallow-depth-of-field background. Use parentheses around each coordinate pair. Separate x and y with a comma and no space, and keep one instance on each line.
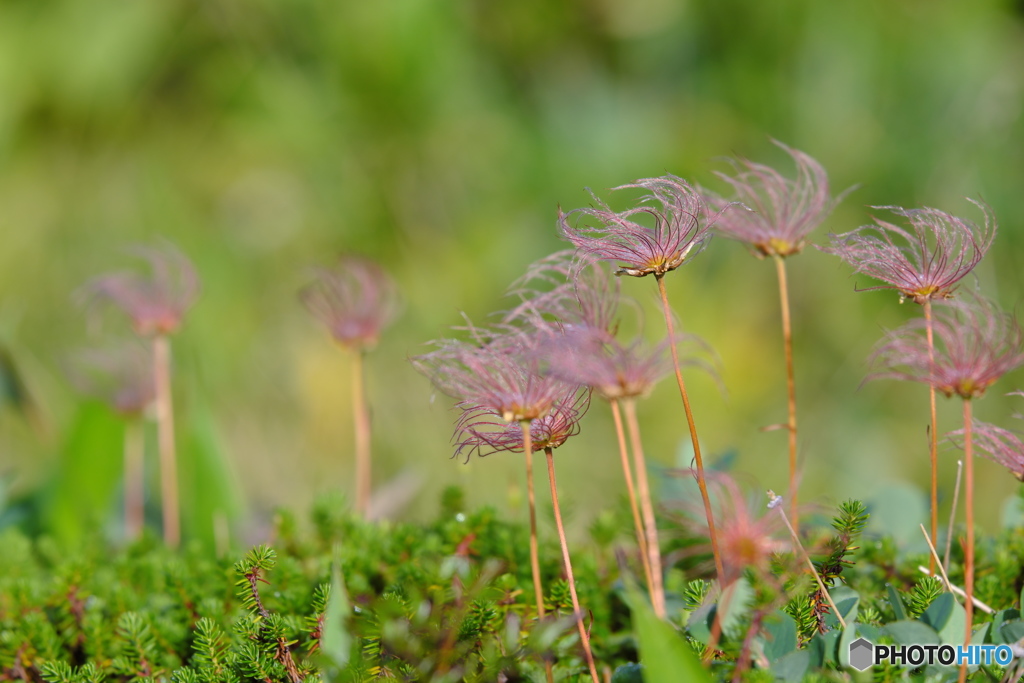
(264,138)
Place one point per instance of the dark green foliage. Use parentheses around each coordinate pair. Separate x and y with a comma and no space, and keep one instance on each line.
(925,590)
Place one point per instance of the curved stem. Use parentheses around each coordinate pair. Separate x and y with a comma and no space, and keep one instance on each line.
(627,474)
(693,428)
(650,525)
(584,636)
(933,449)
(538,590)
(969,547)
(361,422)
(787,341)
(165,439)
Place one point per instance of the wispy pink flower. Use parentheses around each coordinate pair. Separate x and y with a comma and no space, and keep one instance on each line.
(356,300)
(155,301)
(497,369)
(1001,445)
(975,344)
(923,263)
(680,230)
(748,533)
(596,359)
(120,375)
(566,292)
(482,431)
(770,212)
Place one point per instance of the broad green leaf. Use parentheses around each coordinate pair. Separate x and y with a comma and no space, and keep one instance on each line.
(847,602)
(628,673)
(83,494)
(733,605)
(910,632)
(1012,631)
(780,635)
(792,667)
(947,617)
(664,652)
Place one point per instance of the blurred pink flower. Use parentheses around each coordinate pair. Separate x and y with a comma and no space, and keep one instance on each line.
(120,375)
(497,369)
(680,231)
(925,262)
(596,359)
(356,300)
(773,213)
(1001,445)
(482,431)
(157,301)
(567,292)
(975,344)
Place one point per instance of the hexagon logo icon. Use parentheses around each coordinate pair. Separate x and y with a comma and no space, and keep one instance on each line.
(862,654)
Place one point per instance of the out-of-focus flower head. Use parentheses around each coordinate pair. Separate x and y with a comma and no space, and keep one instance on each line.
(567,292)
(120,375)
(596,359)
(770,212)
(356,300)
(155,301)
(748,533)
(1001,445)
(975,344)
(680,231)
(496,369)
(923,263)
(482,431)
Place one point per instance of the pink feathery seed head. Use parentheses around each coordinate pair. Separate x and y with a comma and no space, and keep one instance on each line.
(566,291)
(155,301)
(356,300)
(749,533)
(975,344)
(596,359)
(680,230)
(924,262)
(770,212)
(482,431)
(1001,445)
(120,375)
(497,369)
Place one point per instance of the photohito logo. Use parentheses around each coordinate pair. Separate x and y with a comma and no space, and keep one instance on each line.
(864,655)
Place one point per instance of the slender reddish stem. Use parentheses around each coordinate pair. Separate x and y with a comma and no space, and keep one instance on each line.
(584,636)
(165,439)
(627,474)
(538,590)
(361,420)
(650,525)
(134,486)
(933,449)
(969,547)
(787,341)
(693,428)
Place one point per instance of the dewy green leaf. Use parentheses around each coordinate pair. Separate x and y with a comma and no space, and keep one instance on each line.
(781,635)
(664,652)
(897,603)
(912,632)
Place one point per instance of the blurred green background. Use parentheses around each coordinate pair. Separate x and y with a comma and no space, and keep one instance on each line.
(264,137)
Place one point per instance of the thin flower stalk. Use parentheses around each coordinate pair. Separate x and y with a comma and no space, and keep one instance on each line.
(933,435)
(134,481)
(356,300)
(773,215)
(579,614)
(694,440)
(165,440)
(538,587)
(627,474)
(969,545)
(650,525)
(681,230)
